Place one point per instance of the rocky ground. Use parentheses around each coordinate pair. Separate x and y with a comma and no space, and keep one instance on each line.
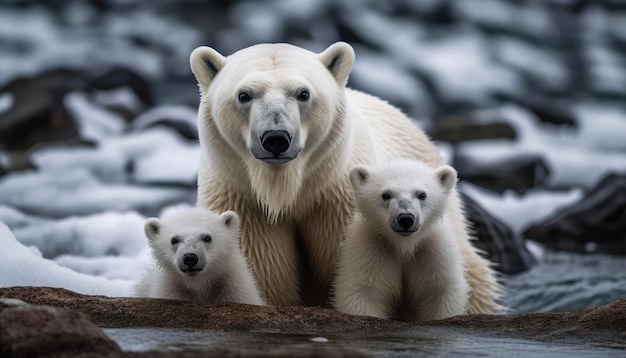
(60,323)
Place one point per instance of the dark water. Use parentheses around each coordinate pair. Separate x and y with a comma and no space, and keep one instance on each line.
(432,341)
(563,282)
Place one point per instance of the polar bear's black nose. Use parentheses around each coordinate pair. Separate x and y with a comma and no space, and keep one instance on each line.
(275,142)
(405,220)
(190,260)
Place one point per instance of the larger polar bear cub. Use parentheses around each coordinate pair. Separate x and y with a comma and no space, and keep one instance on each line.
(279,133)
(197,259)
(400,258)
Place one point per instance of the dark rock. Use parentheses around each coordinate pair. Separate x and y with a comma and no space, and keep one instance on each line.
(597,223)
(182,119)
(458,129)
(117,77)
(14,161)
(519,173)
(38,114)
(33,331)
(496,240)
(549,113)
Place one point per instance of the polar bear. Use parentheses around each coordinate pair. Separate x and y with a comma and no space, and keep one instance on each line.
(198,259)
(279,132)
(400,259)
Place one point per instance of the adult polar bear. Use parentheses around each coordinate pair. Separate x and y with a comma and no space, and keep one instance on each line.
(279,134)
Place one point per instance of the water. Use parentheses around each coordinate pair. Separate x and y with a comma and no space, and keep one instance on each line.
(564,282)
(427,341)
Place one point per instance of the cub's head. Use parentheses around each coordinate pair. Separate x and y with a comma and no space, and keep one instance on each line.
(402,198)
(192,241)
(272,101)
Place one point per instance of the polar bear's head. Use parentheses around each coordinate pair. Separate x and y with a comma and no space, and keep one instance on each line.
(193,241)
(277,108)
(273,100)
(402,198)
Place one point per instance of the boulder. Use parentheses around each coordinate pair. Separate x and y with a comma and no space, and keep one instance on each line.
(519,173)
(596,223)
(33,331)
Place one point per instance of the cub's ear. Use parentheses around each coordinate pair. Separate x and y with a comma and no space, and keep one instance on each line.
(152,227)
(446,176)
(359,175)
(205,64)
(338,58)
(230,219)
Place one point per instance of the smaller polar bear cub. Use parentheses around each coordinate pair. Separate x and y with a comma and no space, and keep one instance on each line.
(198,259)
(400,259)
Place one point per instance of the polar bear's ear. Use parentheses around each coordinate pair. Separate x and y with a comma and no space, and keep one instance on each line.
(359,175)
(152,228)
(230,219)
(338,58)
(447,176)
(205,64)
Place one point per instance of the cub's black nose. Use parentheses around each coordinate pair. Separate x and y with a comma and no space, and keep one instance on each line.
(190,260)
(275,142)
(405,220)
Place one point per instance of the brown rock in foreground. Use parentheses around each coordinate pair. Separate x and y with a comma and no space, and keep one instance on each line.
(124,312)
(32,331)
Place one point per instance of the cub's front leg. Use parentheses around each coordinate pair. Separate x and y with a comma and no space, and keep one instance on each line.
(367,282)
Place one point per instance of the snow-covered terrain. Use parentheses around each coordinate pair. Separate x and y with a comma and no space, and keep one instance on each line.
(76,220)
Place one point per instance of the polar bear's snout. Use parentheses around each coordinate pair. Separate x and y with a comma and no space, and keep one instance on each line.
(405,220)
(190,264)
(276,142)
(405,224)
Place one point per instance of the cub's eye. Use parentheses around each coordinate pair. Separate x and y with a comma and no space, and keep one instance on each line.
(244,97)
(206,238)
(386,196)
(303,96)
(175,240)
(421,196)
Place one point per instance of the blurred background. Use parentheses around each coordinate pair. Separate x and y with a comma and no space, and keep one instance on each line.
(527,99)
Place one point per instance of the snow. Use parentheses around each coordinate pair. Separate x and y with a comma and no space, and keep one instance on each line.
(76,221)
(24,266)
(575,158)
(520,211)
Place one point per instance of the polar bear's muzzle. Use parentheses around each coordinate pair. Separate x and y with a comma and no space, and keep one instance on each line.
(405,224)
(275,147)
(190,265)
(276,142)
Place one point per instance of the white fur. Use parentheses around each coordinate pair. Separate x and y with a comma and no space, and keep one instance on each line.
(223,276)
(381,269)
(294,211)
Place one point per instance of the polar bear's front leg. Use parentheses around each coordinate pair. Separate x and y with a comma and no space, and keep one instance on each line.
(321,235)
(272,252)
(368,282)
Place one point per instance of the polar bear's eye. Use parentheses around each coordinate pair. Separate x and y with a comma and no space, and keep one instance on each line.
(244,97)
(206,238)
(175,240)
(386,196)
(303,96)
(421,195)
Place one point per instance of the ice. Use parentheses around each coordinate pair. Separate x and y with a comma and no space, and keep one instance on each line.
(107,233)
(519,211)
(378,76)
(21,266)
(78,192)
(575,158)
(6,102)
(93,122)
